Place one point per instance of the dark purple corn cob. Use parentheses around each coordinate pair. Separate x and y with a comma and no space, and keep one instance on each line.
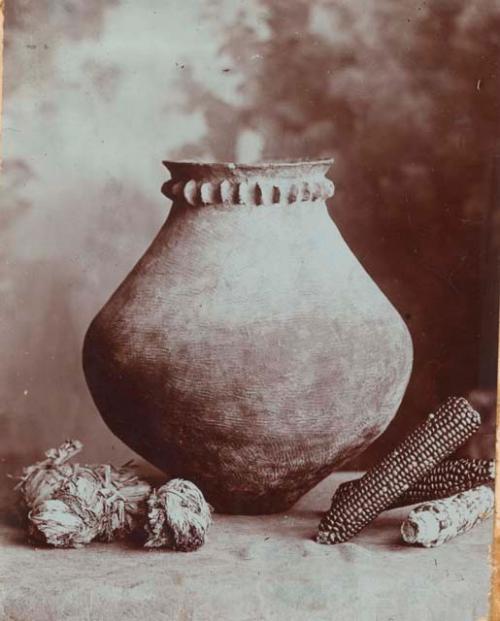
(450,477)
(355,506)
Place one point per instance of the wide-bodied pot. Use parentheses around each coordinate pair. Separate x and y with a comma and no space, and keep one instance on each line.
(248,350)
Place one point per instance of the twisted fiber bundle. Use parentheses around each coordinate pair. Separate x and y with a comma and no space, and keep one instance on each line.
(73,515)
(178,517)
(39,481)
(125,496)
(70,505)
(435,439)
(95,502)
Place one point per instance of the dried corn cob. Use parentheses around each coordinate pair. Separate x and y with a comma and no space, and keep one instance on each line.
(450,477)
(432,524)
(440,435)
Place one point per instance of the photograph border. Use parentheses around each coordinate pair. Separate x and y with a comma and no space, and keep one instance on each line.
(494,605)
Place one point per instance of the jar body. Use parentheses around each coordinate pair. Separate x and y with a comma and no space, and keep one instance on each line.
(248,350)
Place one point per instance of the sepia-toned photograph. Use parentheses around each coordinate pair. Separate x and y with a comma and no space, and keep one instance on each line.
(249,269)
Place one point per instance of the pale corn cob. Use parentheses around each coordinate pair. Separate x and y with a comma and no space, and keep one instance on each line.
(450,477)
(435,439)
(432,524)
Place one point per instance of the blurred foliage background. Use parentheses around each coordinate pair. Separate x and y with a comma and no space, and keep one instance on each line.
(405,96)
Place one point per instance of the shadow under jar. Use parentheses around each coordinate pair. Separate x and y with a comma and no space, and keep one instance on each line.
(248,350)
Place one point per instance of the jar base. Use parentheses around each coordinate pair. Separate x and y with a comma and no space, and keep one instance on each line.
(248,504)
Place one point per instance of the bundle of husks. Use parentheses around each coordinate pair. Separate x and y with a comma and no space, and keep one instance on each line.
(178,517)
(41,480)
(413,472)
(69,505)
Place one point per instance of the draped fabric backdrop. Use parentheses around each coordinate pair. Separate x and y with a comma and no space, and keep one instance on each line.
(404,95)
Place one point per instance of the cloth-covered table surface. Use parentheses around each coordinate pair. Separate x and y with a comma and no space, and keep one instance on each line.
(252,567)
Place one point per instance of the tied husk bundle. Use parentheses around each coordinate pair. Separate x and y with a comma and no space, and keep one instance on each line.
(178,517)
(70,505)
(41,480)
(72,516)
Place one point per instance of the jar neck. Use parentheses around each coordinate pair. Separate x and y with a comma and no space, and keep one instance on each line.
(282,183)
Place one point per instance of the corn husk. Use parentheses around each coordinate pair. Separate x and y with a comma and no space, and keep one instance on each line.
(70,505)
(178,517)
(125,496)
(41,480)
(73,516)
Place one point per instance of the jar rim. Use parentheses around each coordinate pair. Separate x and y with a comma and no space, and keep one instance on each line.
(199,170)
(261,164)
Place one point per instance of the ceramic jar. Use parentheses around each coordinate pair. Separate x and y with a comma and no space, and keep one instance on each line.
(248,350)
